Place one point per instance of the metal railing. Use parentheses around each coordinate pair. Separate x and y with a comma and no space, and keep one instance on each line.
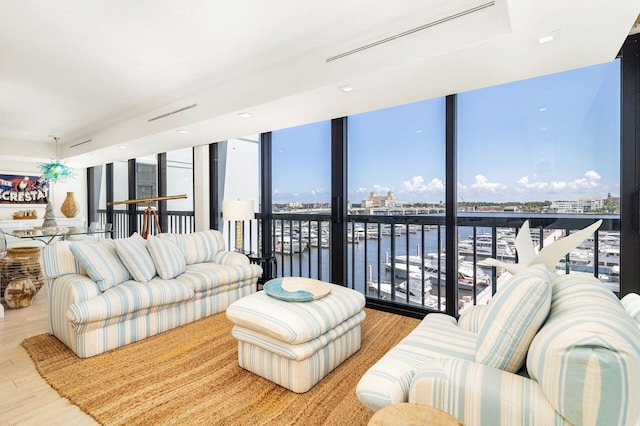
(179,222)
(409,269)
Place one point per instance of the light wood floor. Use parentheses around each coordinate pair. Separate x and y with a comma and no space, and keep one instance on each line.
(25,398)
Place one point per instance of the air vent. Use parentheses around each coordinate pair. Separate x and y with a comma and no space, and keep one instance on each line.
(80,143)
(412,31)
(172,112)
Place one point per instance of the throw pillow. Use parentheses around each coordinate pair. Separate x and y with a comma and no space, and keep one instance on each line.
(101,263)
(135,257)
(167,257)
(513,317)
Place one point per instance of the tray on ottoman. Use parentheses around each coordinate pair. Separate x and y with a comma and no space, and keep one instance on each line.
(296,344)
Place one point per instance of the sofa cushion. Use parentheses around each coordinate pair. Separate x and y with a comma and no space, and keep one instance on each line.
(207,276)
(127,298)
(167,257)
(586,357)
(472,317)
(295,322)
(58,260)
(513,318)
(101,263)
(198,247)
(136,258)
(631,304)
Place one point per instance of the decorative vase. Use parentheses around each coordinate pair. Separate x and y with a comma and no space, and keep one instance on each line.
(70,207)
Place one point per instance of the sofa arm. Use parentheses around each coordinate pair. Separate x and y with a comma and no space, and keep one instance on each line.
(477,394)
(471,318)
(63,292)
(225,257)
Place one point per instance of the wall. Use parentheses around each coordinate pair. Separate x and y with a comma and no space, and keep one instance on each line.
(59,191)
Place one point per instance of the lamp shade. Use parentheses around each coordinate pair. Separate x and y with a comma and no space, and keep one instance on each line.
(238,210)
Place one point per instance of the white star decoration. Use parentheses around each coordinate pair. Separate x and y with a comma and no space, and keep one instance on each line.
(548,256)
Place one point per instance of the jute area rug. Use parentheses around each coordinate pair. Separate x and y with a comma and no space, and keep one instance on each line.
(190,375)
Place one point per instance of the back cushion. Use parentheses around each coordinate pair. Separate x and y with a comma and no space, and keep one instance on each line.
(586,357)
(57,260)
(198,247)
(631,303)
(167,257)
(135,257)
(101,262)
(512,319)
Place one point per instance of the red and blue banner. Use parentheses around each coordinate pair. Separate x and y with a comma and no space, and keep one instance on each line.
(17,189)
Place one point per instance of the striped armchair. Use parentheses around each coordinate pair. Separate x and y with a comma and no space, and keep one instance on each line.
(580,366)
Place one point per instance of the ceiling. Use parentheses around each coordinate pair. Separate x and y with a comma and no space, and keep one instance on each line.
(106,74)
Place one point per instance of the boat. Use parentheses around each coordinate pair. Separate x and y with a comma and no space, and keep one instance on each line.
(437,273)
(416,294)
(483,244)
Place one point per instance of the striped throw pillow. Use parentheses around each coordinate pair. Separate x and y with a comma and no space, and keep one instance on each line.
(101,263)
(135,257)
(167,257)
(513,318)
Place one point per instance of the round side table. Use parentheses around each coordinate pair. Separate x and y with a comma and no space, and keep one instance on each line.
(412,414)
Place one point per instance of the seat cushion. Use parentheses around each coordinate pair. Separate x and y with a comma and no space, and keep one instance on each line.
(202,277)
(513,318)
(127,298)
(295,322)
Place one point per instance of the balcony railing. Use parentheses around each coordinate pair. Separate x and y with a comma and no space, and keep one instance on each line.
(401,259)
(178,222)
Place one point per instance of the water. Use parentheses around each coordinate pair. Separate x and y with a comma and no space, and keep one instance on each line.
(365,259)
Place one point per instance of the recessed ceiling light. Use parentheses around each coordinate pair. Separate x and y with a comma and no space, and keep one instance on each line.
(245,115)
(548,38)
(182,131)
(122,147)
(346,88)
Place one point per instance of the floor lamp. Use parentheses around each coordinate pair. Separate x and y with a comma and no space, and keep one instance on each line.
(238,210)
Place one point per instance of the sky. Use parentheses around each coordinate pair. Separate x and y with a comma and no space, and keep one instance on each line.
(551,138)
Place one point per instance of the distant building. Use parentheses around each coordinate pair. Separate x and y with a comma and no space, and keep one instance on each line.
(380,200)
(583,205)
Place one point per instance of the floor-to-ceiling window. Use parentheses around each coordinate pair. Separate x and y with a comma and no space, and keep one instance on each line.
(396,177)
(179,181)
(543,147)
(302,185)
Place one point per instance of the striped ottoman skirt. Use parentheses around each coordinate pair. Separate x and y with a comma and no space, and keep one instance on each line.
(292,343)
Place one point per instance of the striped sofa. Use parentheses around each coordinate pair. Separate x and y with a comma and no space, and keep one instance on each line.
(577,361)
(106,294)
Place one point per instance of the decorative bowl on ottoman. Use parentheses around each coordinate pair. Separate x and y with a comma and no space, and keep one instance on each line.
(295,344)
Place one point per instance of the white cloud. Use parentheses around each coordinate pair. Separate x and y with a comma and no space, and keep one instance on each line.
(418,185)
(592,175)
(482,184)
(589,182)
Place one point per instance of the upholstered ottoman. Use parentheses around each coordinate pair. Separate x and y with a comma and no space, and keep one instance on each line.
(296,344)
